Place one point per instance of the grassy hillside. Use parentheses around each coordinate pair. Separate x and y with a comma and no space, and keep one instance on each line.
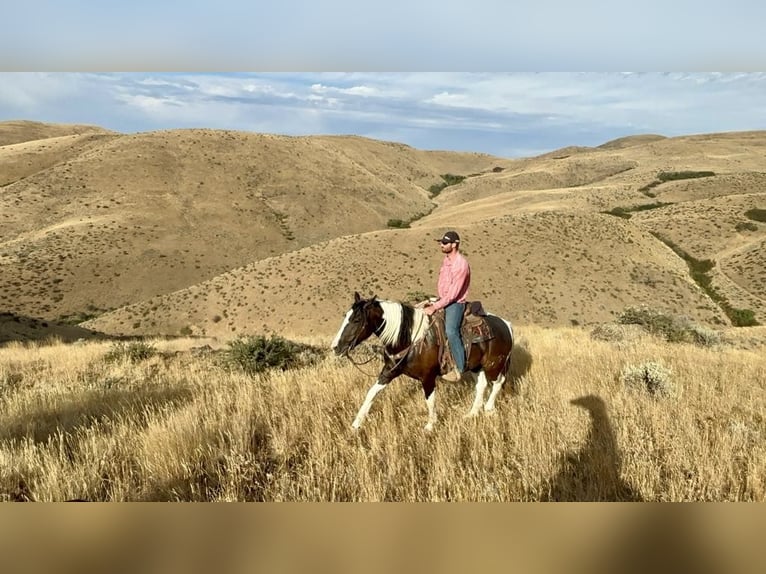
(98,222)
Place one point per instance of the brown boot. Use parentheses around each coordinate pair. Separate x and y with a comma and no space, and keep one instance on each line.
(453,376)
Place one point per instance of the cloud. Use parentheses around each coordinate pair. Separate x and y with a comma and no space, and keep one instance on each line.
(486,112)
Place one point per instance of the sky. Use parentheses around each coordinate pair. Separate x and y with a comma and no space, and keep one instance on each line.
(515,114)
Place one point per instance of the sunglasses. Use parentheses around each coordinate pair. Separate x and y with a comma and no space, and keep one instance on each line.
(446,242)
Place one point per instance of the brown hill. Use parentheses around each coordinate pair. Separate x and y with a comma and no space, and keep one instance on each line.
(544,268)
(225,233)
(630,141)
(18,131)
(126,217)
(26,329)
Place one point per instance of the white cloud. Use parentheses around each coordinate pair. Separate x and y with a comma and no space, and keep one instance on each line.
(495,112)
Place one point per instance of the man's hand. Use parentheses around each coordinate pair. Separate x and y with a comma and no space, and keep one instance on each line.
(429,309)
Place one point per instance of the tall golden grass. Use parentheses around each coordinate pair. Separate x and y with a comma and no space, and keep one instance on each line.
(179,426)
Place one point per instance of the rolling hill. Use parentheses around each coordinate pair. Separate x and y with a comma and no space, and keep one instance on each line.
(224,233)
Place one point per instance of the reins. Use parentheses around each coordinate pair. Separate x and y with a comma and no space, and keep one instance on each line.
(348,355)
(401,356)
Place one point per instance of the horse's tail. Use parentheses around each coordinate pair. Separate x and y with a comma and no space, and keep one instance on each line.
(510,352)
(501,321)
(512,339)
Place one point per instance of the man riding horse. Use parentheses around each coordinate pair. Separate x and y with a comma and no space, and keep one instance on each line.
(452,288)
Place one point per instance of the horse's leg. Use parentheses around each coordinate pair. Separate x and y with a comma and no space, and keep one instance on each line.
(496,386)
(365,408)
(481,386)
(429,389)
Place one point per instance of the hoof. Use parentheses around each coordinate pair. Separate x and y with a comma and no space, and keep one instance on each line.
(471,415)
(429,427)
(490,412)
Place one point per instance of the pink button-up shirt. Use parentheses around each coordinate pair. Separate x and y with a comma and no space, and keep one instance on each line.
(454,280)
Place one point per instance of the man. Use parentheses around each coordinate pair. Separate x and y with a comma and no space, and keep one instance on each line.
(452,288)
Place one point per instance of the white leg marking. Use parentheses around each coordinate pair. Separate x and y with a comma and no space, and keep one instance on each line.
(336,340)
(431,404)
(365,408)
(481,385)
(496,386)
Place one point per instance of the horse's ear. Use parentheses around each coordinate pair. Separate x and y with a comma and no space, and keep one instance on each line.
(357,298)
(373,298)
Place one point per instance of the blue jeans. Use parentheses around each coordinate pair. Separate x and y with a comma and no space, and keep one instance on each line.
(453,317)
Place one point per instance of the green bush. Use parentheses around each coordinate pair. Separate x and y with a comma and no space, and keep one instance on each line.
(672,328)
(756,214)
(625,212)
(398,223)
(259,353)
(436,189)
(699,271)
(134,352)
(664,176)
(449,179)
(742,317)
(746,226)
(676,175)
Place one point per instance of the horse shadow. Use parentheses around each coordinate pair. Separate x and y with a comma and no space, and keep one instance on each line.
(592,473)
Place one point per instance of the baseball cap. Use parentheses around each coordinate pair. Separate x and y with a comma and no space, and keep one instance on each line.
(449,237)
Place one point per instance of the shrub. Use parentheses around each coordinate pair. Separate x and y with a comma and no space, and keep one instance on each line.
(134,352)
(705,337)
(746,226)
(675,175)
(449,179)
(671,328)
(619,212)
(259,353)
(742,317)
(436,189)
(626,211)
(651,376)
(656,322)
(398,223)
(613,333)
(756,214)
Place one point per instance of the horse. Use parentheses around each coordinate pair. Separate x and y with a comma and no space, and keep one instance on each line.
(411,347)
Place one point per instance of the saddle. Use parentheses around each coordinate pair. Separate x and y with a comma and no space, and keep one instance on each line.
(473,329)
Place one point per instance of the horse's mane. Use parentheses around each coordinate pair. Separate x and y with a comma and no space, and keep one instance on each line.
(403,324)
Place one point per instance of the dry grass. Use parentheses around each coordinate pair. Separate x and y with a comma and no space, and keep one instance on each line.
(177,426)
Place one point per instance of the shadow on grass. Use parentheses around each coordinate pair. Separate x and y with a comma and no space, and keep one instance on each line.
(85,410)
(243,476)
(591,473)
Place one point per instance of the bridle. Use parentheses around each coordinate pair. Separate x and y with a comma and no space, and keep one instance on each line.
(399,357)
(352,346)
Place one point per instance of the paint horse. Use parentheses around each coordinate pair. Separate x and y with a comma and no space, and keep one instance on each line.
(411,348)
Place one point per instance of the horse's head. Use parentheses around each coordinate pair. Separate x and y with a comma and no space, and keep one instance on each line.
(362,320)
